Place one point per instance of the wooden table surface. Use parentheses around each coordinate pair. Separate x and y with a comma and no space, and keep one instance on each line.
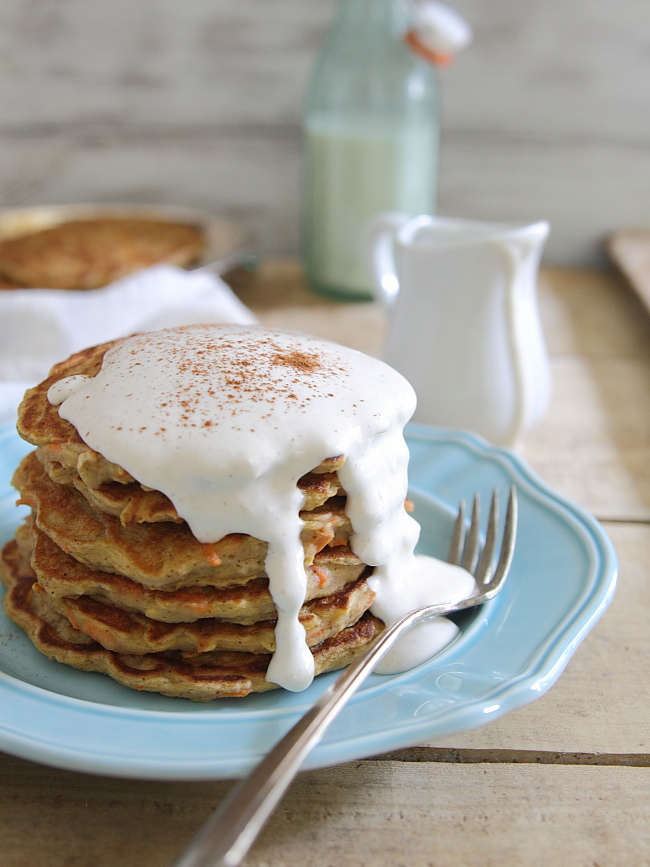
(562,781)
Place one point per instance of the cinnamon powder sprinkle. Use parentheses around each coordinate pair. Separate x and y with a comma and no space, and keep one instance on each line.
(302,361)
(217,375)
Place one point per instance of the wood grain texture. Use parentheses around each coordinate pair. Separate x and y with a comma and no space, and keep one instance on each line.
(385,813)
(545,116)
(630,251)
(471,815)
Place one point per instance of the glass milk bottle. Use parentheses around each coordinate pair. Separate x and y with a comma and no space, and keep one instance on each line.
(370,137)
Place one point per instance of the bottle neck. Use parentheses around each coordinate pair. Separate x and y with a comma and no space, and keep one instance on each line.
(370,16)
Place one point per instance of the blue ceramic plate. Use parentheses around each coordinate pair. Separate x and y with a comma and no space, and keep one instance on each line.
(507,653)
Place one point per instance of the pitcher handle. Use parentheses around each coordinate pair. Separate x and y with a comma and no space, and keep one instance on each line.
(377,249)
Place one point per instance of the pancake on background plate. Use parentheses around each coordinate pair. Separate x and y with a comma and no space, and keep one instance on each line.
(90,253)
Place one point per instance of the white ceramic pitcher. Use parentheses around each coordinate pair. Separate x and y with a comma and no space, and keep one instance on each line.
(464,324)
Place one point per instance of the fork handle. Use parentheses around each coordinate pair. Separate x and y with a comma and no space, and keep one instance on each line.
(227,836)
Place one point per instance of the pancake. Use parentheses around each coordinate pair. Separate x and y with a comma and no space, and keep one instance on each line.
(129,632)
(132,503)
(199,677)
(38,421)
(159,554)
(61,575)
(87,254)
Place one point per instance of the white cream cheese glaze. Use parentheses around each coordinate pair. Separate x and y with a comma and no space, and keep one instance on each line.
(225,419)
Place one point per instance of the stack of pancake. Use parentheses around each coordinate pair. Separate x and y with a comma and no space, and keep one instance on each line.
(104,576)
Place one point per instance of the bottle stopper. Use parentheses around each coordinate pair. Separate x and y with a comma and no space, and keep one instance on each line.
(436,32)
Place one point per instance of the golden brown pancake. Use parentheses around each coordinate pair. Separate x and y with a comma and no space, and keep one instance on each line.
(129,632)
(61,575)
(200,677)
(132,503)
(39,421)
(87,254)
(159,554)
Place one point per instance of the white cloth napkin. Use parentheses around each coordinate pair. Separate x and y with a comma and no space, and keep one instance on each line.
(39,327)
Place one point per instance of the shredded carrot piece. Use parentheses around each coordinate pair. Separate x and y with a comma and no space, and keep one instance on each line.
(211,555)
(200,607)
(322,539)
(321,574)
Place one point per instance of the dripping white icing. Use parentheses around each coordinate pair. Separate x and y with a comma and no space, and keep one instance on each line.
(226,419)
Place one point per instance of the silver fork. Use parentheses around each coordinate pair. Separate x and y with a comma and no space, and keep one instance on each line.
(227,836)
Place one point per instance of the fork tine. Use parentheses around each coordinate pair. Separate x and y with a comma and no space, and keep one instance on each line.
(472,547)
(484,569)
(457,536)
(469,554)
(508,541)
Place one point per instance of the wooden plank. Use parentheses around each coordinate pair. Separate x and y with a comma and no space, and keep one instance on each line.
(474,816)
(592,445)
(467,756)
(226,62)
(630,250)
(591,312)
(383,813)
